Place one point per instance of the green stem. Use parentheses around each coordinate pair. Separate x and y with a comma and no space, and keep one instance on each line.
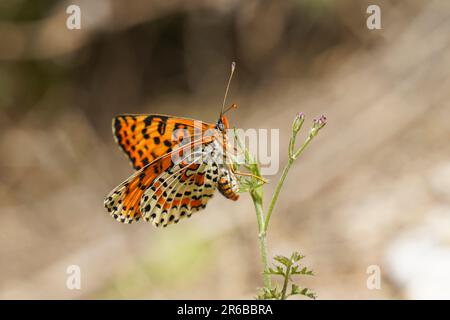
(257,200)
(277,192)
(303,147)
(285,283)
(257,197)
(280,183)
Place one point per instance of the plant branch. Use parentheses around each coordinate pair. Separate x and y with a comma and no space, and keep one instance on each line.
(277,193)
(254,187)
(293,155)
(285,283)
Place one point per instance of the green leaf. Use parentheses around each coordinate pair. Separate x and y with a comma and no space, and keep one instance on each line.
(296,256)
(269,294)
(286,268)
(283,260)
(295,289)
(308,293)
(278,271)
(307,272)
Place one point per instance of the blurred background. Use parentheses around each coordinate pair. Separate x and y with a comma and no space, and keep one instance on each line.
(373,188)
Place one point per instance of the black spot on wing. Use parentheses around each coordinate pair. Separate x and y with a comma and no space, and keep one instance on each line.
(148,120)
(162,125)
(167,143)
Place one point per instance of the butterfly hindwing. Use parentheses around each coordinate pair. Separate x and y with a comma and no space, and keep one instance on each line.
(123,202)
(177,193)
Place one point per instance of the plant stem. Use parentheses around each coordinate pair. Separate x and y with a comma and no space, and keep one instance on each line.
(285,283)
(303,147)
(277,192)
(257,192)
(280,183)
(256,195)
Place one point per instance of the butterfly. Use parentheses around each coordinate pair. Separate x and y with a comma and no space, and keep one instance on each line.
(179,164)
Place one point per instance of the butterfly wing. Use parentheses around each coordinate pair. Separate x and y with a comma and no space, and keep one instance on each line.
(123,203)
(168,189)
(182,190)
(144,138)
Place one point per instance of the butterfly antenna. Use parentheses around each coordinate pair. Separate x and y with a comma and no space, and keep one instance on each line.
(233,106)
(233,66)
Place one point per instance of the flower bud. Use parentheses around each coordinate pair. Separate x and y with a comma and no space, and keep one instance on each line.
(317,125)
(298,122)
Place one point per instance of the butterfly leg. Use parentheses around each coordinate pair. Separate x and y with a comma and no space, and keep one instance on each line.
(247,174)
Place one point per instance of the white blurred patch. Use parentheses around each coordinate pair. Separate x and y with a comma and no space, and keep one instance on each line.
(418,261)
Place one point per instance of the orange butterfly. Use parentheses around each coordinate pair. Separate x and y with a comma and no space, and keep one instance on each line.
(174,178)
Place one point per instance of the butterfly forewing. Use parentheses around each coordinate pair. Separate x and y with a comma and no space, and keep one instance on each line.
(144,138)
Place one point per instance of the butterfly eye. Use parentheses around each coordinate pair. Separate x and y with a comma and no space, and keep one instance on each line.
(220,126)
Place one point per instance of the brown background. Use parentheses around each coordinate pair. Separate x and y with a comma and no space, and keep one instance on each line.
(373,188)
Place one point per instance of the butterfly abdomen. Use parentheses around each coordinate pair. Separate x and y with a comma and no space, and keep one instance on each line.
(228,186)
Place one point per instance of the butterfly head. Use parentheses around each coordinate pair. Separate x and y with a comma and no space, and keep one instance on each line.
(222,124)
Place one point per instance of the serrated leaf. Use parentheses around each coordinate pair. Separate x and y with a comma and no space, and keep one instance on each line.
(283,260)
(296,256)
(295,289)
(270,271)
(267,294)
(304,271)
(308,293)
